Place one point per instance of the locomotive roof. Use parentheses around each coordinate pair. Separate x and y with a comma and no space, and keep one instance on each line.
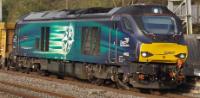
(92,12)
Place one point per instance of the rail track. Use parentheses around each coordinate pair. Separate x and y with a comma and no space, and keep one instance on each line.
(27,91)
(38,92)
(14,93)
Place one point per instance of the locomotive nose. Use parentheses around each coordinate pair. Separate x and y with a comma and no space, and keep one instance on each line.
(162,52)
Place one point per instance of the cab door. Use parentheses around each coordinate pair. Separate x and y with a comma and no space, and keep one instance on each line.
(113,42)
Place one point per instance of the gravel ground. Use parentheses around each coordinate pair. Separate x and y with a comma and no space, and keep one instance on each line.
(75,88)
(7,95)
(64,88)
(193,95)
(26,91)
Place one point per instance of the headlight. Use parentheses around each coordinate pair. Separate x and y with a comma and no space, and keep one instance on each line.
(146,54)
(181,56)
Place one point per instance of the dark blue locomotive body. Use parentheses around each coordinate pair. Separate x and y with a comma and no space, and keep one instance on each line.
(134,43)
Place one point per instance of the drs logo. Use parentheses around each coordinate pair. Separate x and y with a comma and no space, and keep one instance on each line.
(68,39)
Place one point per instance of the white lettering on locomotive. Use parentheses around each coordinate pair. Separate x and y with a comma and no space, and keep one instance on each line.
(125,42)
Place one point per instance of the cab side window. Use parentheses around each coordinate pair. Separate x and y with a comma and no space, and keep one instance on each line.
(127,25)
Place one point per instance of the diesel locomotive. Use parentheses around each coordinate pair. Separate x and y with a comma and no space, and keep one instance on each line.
(138,45)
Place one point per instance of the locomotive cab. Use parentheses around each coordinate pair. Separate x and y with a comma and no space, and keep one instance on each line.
(156,34)
(158,43)
(165,40)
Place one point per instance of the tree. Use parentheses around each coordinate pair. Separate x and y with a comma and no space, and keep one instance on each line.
(13,10)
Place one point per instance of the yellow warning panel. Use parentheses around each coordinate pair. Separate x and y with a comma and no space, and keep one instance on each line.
(162,52)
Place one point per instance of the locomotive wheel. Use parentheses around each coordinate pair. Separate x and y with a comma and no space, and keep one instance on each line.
(44,73)
(35,67)
(1,66)
(118,82)
(99,82)
(27,70)
(17,67)
(60,76)
(6,67)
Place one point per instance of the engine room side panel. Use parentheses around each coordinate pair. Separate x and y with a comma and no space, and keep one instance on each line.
(73,41)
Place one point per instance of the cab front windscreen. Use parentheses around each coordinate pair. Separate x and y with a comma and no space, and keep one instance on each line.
(159,24)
